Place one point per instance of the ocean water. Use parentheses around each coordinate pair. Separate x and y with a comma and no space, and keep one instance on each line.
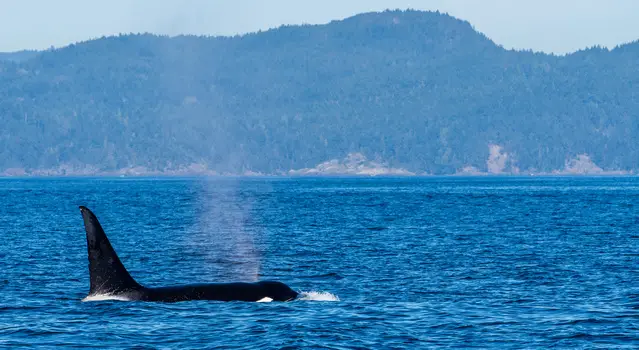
(485,262)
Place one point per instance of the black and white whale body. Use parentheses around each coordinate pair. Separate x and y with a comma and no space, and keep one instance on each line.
(110,278)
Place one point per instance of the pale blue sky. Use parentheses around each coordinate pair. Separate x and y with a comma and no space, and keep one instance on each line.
(558,26)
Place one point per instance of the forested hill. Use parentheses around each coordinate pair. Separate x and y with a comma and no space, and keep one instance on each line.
(418,91)
(18,55)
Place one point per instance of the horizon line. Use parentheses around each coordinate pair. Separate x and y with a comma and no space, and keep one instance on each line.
(270,29)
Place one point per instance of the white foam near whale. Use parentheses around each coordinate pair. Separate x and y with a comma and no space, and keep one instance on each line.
(317,296)
(104,297)
(308,296)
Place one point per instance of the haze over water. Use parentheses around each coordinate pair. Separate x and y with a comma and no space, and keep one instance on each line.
(489,262)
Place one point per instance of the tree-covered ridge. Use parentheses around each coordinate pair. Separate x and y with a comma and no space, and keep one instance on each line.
(18,56)
(419,91)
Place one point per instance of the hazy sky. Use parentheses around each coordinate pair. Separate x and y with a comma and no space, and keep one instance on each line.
(542,25)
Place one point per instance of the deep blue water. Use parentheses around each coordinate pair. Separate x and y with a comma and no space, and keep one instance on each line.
(433,262)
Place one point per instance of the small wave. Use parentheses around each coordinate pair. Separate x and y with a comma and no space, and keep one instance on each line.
(318,296)
(326,275)
(104,297)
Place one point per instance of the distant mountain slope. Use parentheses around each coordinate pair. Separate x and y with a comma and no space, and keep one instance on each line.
(18,56)
(419,91)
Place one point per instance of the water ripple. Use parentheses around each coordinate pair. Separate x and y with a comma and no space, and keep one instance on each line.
(382,263)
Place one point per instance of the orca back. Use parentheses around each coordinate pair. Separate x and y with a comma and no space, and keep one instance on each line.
(107,274)
(111,279)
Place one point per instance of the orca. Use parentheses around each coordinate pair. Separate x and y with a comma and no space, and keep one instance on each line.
(109,278)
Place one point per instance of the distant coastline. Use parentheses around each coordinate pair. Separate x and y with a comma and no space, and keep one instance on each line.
(354,165)
(394,93)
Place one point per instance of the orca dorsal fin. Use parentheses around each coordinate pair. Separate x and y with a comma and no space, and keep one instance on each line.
(107,274)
